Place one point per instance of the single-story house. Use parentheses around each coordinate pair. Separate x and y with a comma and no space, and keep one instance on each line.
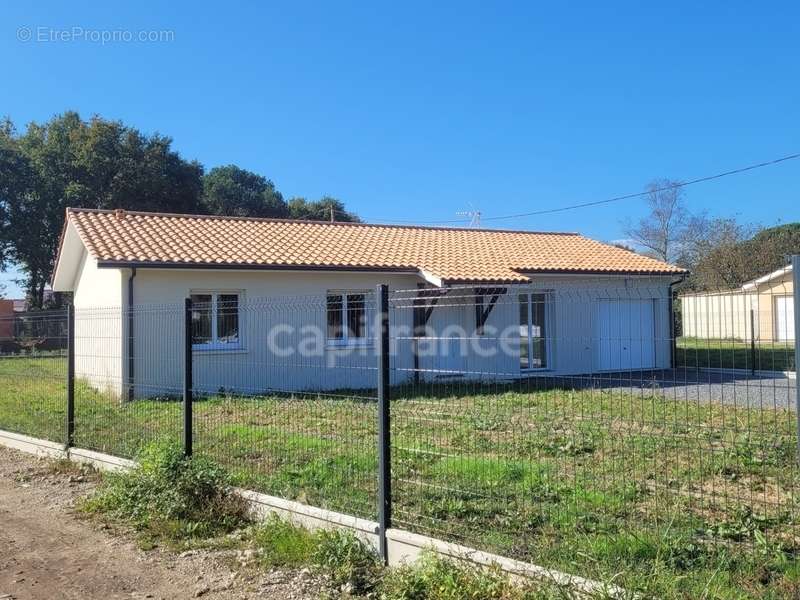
(567,304)
(762,309)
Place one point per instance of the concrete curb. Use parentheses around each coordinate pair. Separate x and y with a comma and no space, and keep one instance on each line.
(32,445)
(404,547)
(772,374)
(310,517)
(102,462)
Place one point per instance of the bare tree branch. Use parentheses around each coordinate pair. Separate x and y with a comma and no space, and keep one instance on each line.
(661,231)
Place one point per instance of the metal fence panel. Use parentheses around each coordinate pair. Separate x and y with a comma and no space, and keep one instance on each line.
(562,422)
(544,421)
(128,364)
(33,373)
(287,400)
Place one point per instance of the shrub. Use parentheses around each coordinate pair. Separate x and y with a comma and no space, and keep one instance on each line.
(171,496)
(281,543)
(434,578)
(348,561)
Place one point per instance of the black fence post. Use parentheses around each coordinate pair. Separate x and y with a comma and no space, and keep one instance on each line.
(673,330)
(795,305)
(384,423)
(187,377)
(69,440)
(752,342)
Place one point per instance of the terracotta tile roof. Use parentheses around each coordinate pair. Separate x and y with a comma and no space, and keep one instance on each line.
(453,255)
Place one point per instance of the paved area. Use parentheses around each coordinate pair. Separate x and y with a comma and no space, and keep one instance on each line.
(692,385)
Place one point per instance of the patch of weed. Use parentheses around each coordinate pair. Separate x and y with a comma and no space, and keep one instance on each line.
(170,497)
(283,544)
(434,578)
(348,561)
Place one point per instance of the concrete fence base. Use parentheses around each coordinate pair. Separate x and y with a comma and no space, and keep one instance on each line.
(404,547)
(748,372)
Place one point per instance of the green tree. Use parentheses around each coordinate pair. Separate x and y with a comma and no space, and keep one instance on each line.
(90,164)
(233,191)
(709,251)
(16,179)
(733,262)
(326,208)
(68,161)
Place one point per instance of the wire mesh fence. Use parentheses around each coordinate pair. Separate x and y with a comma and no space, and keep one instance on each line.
(128,369)
(539,422)
(285,395)
(33,372)
(542,422)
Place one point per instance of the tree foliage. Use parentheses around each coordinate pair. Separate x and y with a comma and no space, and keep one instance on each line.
(233,191)
(99,163)
(90,164)
(321,210)
(732,262)
(720,253)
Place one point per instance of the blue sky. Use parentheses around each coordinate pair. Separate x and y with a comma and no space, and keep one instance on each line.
(412,112)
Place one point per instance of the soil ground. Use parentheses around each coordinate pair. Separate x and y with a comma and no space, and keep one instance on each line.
(49,551)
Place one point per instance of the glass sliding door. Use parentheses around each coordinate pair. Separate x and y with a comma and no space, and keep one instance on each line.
(534,346)
(524,332)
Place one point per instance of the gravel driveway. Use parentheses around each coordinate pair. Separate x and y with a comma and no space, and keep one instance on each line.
(692,385)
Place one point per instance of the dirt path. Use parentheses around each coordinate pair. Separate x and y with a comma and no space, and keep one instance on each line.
(48,552)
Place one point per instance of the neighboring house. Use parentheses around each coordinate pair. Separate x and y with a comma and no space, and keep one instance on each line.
(775,295)
(6,320)
(575,305)
(762,309)
(24,305)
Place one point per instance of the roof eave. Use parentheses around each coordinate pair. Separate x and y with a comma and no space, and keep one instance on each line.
(753,285)
(610,273)
(139,264)
(423,273)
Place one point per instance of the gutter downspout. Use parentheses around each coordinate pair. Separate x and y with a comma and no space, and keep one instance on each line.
(130,334)
(673,347)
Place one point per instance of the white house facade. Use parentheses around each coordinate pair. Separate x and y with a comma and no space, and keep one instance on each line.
(281,306)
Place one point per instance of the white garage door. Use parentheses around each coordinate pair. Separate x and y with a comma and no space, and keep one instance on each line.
(784,318)
(625,335)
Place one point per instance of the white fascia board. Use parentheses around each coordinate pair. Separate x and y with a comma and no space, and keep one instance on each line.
(431,278)
(752,285)
(69,260)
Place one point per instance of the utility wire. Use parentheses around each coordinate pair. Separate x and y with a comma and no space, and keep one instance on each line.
(677,185)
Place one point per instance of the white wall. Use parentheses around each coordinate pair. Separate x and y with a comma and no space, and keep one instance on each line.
(720,316)
(574,334)
(297,299)
(99,325)
(268,299)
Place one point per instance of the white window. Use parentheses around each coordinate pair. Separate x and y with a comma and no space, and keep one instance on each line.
(347,317)
(534,343)
(215,321)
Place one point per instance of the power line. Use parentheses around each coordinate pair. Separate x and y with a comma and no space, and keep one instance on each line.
(677,185)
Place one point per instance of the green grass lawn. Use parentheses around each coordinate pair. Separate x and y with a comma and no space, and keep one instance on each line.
(728,354)
(669,498)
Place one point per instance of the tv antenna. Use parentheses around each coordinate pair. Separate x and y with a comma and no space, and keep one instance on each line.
(473,214)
